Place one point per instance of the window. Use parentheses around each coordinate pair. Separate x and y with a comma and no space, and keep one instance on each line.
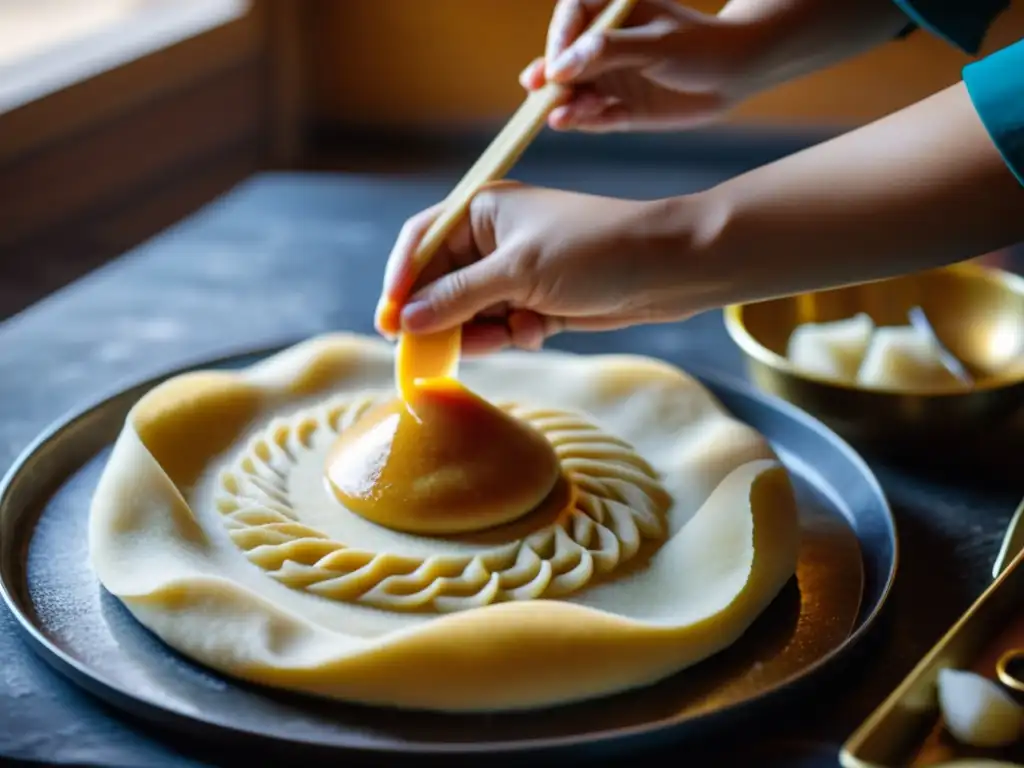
(47,45)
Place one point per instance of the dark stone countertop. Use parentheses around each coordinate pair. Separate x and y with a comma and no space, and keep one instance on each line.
(290,255)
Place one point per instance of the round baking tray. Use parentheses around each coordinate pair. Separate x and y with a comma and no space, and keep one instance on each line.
(84,633)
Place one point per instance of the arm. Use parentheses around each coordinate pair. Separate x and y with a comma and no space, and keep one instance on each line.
(793,39)
(796,38)
(930,185)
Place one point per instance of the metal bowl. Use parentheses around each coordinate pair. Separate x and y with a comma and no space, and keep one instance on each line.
(977,312)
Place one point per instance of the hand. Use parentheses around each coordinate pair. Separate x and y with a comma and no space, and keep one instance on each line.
(531,262)
(671,67)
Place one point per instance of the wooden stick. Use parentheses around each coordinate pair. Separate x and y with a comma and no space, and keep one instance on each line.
(435,355)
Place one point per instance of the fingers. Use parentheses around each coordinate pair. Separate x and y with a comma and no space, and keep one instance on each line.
(521,328)
(599,53)
(399,273)
(681,111)
(588,106)
(569,20)
(527,329)
(572,17)
(532,77)
(443,294)
(484,338)
(457,297)
(402,275)
(572,56)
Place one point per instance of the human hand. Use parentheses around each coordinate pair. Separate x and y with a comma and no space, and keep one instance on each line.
(529,262)
(670,67)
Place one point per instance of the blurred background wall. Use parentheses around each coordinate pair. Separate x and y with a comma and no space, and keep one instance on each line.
(417,62)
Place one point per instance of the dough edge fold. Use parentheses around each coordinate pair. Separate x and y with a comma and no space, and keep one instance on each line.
(501,657)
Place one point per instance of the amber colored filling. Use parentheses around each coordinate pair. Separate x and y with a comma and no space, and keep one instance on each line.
(426,356)
(441,460)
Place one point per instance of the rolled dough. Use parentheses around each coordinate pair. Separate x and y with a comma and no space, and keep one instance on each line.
(684,530)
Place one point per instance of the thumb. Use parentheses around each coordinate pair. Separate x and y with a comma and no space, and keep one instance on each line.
(459,296)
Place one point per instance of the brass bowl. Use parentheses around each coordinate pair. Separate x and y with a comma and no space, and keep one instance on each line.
(977,312)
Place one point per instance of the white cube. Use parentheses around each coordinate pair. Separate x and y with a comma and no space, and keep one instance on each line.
(831,350)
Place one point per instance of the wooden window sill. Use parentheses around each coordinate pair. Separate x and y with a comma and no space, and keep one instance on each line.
(49,45)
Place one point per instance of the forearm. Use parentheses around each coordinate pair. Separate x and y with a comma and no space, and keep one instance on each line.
(797,37)
(921,188)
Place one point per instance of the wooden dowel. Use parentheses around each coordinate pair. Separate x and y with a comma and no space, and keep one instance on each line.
(437,354)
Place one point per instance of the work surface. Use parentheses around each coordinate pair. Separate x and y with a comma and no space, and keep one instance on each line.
(285,256)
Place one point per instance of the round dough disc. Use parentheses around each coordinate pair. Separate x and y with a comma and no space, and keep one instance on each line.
(214,527)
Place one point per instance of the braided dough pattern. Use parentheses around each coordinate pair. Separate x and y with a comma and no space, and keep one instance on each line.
(617,504)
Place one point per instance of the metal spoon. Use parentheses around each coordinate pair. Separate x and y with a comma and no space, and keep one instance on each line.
(919,320)
(1013,542)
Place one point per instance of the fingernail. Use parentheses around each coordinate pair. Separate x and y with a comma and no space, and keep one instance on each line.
(387,316)
(533,72)
(416,315)
(559,117)
(386,332)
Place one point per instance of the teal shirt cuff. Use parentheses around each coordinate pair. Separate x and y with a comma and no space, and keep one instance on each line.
(996,88)
(962,23)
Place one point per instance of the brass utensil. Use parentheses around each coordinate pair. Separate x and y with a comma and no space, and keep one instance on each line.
(912,706)
(977,312)
(1010,670)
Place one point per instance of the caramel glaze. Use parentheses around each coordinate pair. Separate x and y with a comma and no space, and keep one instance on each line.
(441,460)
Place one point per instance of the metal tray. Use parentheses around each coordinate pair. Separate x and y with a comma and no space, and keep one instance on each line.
(906,729)
(847,565)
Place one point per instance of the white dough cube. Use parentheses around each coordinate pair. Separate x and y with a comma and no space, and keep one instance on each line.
(977,711)
(904,358)
(831,350)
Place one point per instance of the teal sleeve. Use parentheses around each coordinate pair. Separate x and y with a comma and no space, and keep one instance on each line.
(996,87)
(962,23)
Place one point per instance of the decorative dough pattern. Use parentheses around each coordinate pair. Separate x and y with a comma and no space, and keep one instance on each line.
(617,503)
(166,540)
